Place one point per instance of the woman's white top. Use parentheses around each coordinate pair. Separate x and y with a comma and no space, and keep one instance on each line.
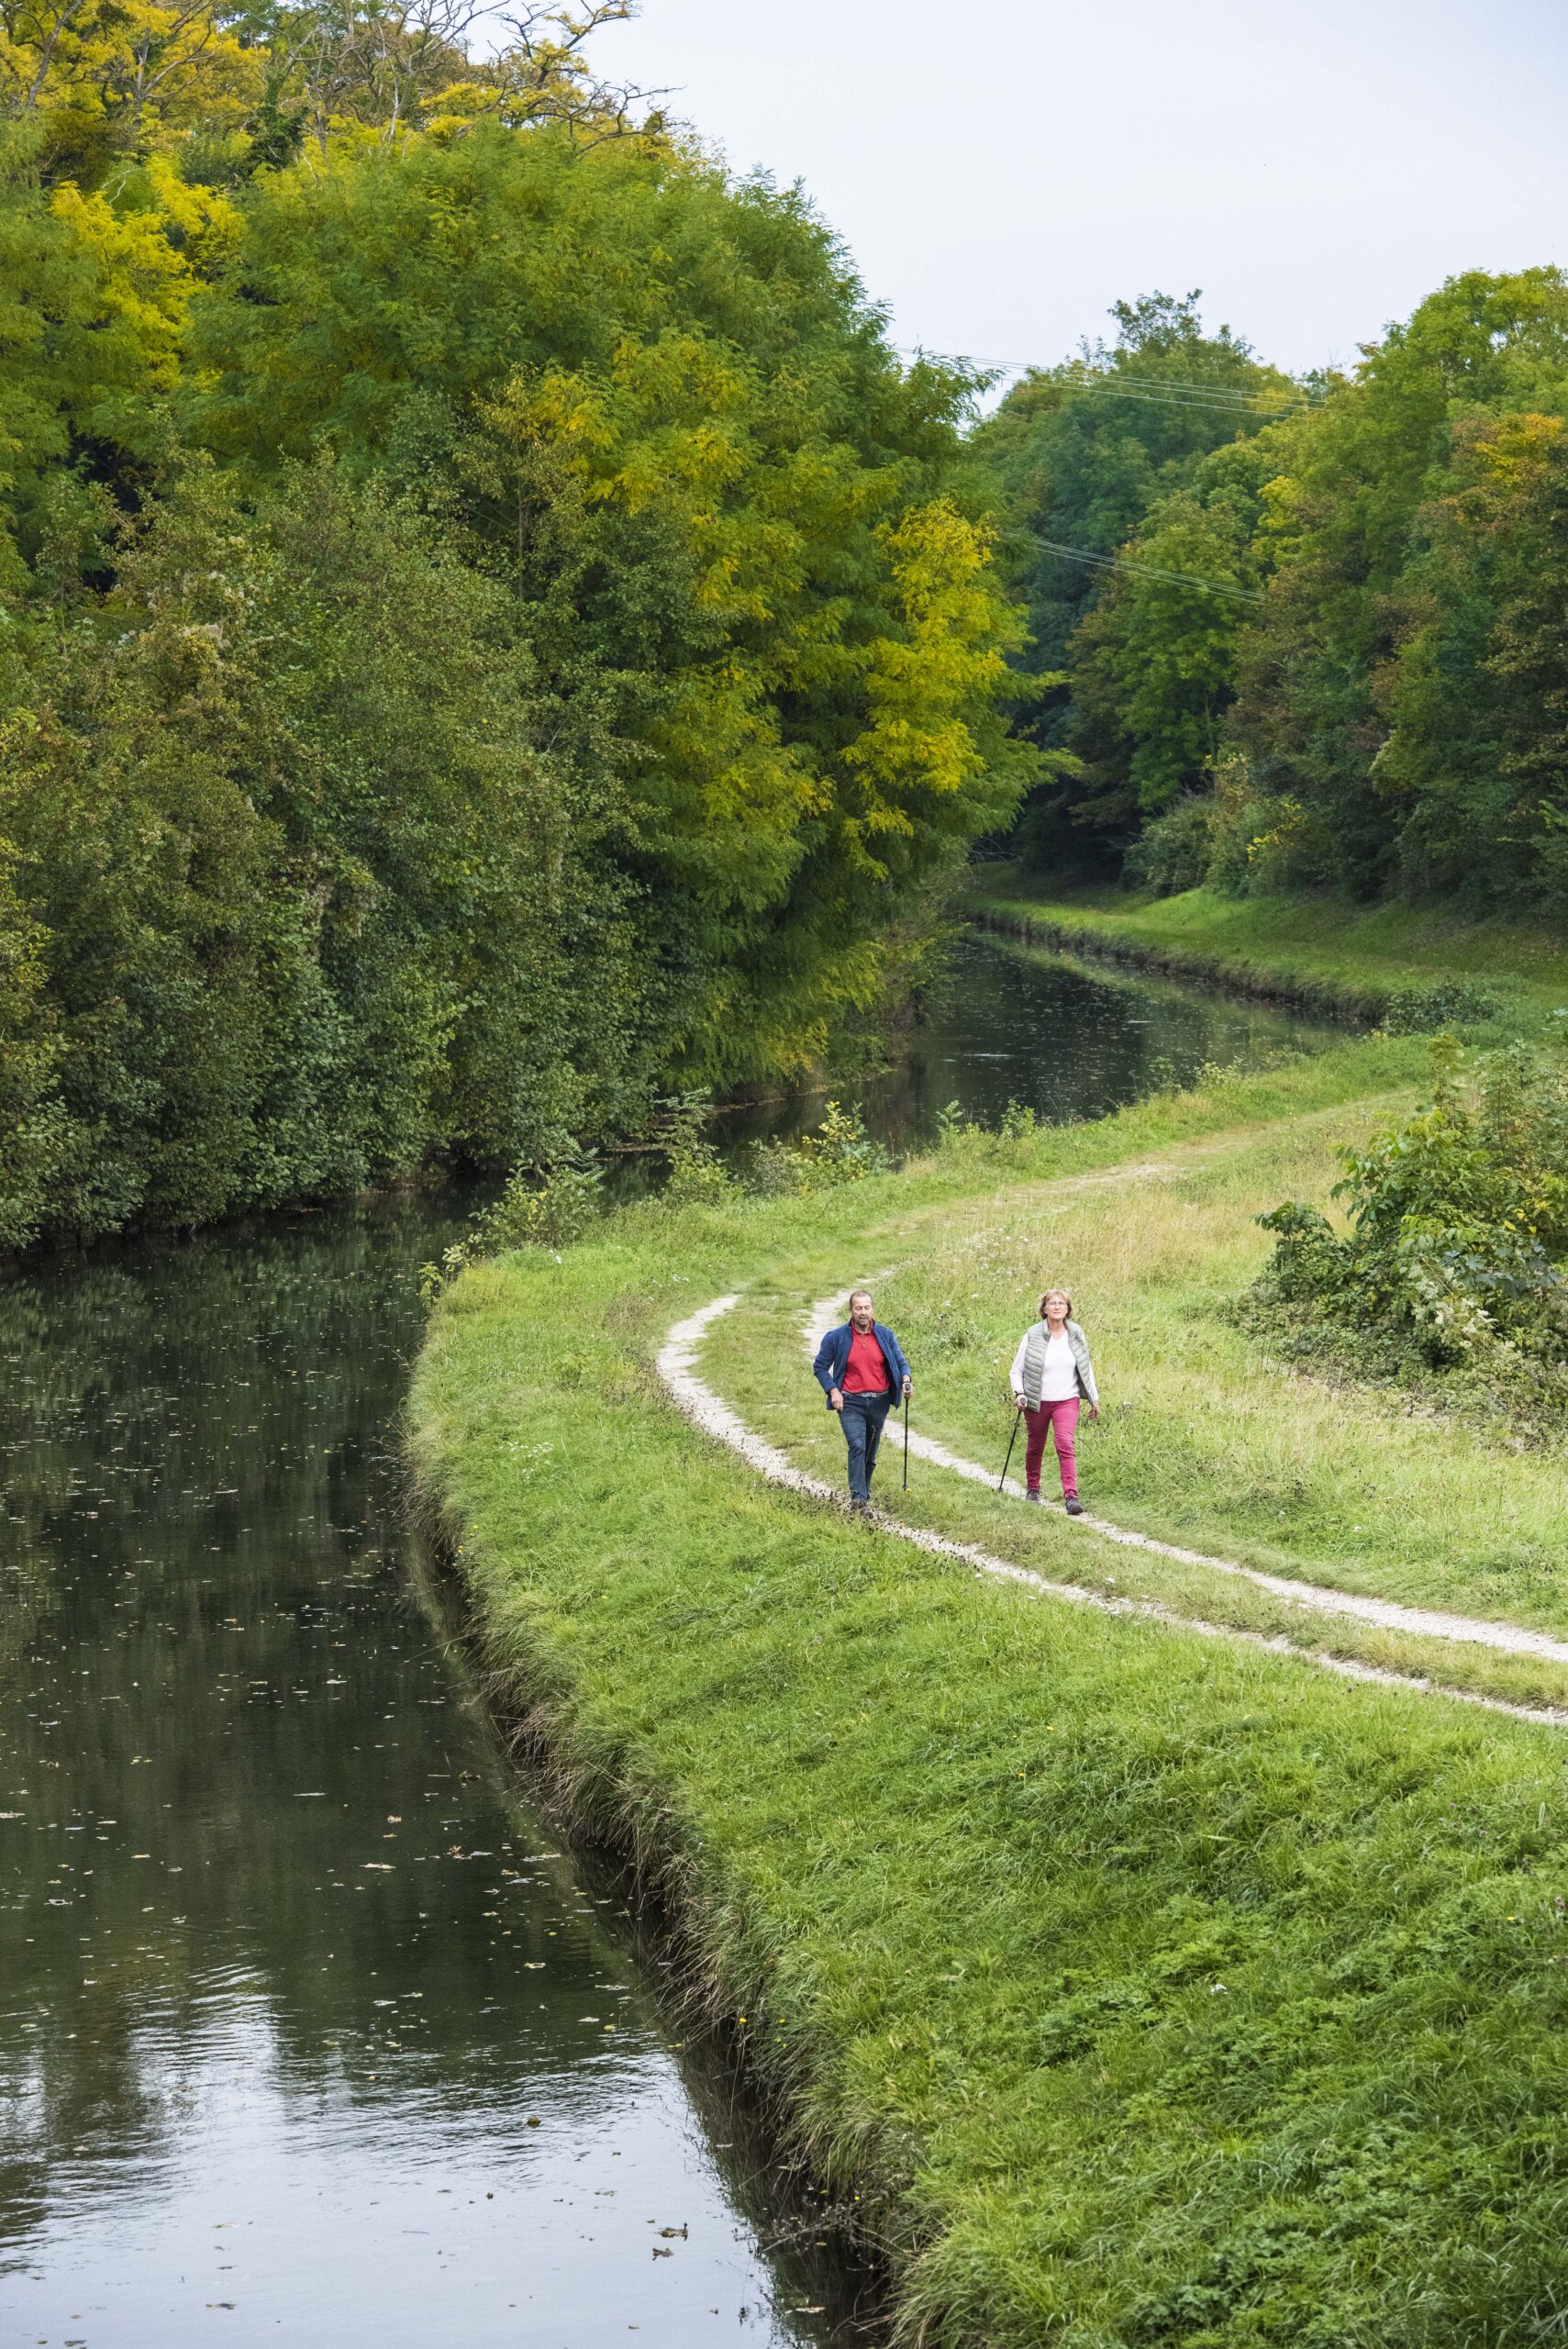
(1060,1379)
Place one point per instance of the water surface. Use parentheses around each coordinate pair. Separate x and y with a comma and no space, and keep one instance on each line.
(1001,1023)
(308,2030)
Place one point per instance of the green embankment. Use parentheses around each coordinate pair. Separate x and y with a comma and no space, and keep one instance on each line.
(1147,1987)
(1319,951)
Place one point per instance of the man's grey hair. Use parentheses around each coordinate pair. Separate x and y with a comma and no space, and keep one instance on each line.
(861,1292)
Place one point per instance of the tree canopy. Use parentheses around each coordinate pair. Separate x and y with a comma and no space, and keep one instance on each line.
(491,629)
(1328,649)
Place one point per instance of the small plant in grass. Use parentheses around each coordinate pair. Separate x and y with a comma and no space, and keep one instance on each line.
(1457,1232)
(840,1151)
(697,1173)
(955,1132)
(540,1208)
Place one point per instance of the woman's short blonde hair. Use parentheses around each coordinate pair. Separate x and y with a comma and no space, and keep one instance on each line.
(1056,1292)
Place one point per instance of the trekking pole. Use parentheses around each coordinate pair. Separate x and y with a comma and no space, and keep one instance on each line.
(1011,1440)
(907,1443)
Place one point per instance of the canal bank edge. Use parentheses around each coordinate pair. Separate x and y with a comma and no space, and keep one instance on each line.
(1106,1964)
(1349,963)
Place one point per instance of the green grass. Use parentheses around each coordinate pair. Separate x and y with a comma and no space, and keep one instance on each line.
(1148,1989)
(1315,951)
(1206,1439)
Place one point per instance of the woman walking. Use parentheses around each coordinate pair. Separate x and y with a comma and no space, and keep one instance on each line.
(1052,1376)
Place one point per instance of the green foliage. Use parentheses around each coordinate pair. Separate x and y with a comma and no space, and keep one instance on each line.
(840,1151)
(1447,1003)
(1374,692)
(1153,662)
(1173,852)
(696,1171)
(306,895)
(1457,1225)
(1366,533)
(488,627)
(661,411)
(1142,449)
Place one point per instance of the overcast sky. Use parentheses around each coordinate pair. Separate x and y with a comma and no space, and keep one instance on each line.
(1002,171)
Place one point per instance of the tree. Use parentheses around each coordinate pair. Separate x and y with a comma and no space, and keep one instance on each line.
(1348,555)
(659,407)
(1153,663)
(1079,454)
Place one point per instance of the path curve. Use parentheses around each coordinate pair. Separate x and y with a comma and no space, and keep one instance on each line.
(1388,1614)
(677,1367)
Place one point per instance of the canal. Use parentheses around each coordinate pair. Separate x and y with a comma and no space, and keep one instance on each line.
(310,2029)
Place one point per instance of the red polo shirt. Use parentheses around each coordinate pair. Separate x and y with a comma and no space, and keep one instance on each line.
(865,1373)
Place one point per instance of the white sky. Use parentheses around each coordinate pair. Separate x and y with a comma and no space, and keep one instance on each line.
(1003,172)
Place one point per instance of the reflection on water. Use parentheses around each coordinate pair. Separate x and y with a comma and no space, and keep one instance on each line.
(1003,1023)
(307,2031)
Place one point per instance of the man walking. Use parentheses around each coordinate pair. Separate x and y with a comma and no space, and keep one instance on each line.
(860,1368)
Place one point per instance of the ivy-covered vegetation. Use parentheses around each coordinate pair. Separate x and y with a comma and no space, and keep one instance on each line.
(1310,634)
(488,626)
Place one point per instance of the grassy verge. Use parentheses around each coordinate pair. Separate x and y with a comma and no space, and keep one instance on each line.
(1206,1441)
(1342,959)
(1146,1989)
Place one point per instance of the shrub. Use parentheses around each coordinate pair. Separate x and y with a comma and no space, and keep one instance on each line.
(695,1170)
(1457,1225)
(1450,1003)
(1171,853)
(546,1208)
(840,1151)
(1258,840)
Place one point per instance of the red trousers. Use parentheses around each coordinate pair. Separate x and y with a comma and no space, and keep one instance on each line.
(1061,1419)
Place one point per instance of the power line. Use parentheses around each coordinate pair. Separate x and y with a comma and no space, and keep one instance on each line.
(1147,570)
(1165,391)
(1200,387)
(1197,395)
(1275,414)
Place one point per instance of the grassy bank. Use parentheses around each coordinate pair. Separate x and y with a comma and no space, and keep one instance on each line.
(1148,1988)
(1342,959)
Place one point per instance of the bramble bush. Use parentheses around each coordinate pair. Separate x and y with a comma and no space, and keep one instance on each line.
(1457,1233)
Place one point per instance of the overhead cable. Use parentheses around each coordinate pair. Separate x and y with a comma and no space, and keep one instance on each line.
(1089,556)
(1167,391)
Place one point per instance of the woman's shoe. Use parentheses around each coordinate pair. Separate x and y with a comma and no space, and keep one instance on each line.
(1035,1497)
(1075,1506)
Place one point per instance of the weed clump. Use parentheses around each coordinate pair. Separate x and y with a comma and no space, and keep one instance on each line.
(564,1200)
(548,1207)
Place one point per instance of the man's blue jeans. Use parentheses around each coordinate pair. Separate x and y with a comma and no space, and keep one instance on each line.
(863,1418)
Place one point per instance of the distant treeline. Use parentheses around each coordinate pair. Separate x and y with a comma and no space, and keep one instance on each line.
(489,629)
(1330,648)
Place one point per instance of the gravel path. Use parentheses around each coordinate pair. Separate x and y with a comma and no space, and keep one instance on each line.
(677,1367)
(1428,1623)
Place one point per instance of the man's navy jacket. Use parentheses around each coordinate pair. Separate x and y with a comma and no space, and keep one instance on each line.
(833,1355)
